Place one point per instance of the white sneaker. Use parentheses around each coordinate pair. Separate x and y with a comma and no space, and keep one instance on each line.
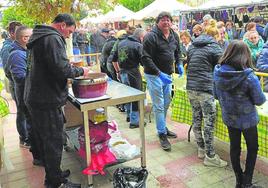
(200,153)
(216,161)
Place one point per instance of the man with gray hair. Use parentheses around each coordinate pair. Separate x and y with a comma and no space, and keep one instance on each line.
(127,69)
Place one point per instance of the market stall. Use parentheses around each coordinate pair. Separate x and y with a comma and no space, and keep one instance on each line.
(118,14)
(158,6)
(239,11)
(117,93)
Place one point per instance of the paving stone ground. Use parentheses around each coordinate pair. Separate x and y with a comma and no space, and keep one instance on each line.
(179,168)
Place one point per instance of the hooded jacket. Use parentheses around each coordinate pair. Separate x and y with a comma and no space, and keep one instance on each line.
(129,53)
(5,50)
(16,63)
(238,92)
(262,64)
(159,53)
(202,57)
(47,69)
(16,70)
(106,50)
(113,57)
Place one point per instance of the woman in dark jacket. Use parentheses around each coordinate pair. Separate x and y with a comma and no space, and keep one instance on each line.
(238,90)
(202,56)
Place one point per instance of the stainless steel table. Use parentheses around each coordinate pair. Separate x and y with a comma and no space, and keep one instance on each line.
(119,94)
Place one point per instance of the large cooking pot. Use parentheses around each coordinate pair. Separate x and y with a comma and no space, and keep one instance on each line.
(94,85)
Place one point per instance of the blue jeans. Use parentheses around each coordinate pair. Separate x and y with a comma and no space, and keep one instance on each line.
(161,97)
(133,114)
(22,124)
(87,51)
(23,117)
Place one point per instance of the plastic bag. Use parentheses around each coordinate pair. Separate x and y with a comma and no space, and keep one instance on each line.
(129,177)
(122,149)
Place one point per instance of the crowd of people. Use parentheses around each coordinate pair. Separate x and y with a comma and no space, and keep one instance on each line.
(220,65)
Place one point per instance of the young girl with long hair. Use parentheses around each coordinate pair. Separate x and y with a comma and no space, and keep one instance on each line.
(238,90)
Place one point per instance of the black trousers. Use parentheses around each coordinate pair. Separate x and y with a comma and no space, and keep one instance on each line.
(47,126)
(135,81)
(251,138)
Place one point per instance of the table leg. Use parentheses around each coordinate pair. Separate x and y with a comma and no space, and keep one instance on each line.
(106,113)
(87,144)
(142,134)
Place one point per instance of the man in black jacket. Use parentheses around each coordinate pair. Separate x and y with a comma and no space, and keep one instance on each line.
(106,50)
(46,92)
(129,60)
(161,48)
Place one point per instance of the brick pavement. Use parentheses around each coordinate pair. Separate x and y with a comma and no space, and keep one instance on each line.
(179,168)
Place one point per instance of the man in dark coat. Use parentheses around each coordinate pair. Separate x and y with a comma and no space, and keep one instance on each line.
(129,61)
(46,92)
(106,50)
(98,39)
(161,49)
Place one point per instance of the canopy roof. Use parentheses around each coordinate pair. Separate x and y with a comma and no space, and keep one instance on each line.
(120,13)
(158,6)
(216,4)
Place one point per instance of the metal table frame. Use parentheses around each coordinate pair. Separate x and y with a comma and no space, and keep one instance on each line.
(119,94)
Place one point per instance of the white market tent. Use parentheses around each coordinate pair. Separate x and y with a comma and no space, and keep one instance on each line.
(120,13)
(92,19)
(158,6)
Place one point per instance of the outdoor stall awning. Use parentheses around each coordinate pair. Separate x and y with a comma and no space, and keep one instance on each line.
(218,4)
(120,13)
(158,6)
(92,19)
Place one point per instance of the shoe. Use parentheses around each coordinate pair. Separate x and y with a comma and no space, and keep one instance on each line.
(171,134)
(215,161)
(133,126)
(164,142)
(25,144)
(251,186)
(38,162)
(67,148)
(239,179)
(70,185)
(65,173)
(200,153)
(247,182)
(128,119)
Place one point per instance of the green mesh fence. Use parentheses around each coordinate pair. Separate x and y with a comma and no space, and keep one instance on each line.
(182,112)
(3,104)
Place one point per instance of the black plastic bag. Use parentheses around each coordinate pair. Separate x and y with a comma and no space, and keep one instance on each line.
(129,177)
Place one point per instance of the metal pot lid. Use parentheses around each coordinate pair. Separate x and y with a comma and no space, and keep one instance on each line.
(92,78)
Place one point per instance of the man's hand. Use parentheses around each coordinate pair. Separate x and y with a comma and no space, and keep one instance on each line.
(86,71)
(118,76)
(180,70)
(166,79)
